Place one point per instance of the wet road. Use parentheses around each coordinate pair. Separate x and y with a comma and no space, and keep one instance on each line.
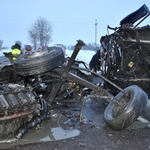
(63,132)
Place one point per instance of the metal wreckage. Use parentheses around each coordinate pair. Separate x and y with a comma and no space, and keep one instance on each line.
(31,83)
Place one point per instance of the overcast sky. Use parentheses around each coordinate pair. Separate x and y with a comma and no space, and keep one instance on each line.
(71,19)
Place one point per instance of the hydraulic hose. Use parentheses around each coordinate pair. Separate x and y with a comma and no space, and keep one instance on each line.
(34,122)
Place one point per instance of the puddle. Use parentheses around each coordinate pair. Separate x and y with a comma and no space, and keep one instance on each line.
(51,130)
(140,123)
(58,133)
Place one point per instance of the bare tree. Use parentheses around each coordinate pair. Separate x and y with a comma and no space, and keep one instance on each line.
(33,37)
(40,32)
(1,44)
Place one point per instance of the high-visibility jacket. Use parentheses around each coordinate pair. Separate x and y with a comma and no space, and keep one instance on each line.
(15,53)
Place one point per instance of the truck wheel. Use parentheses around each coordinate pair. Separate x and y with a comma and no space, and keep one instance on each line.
(39,61)
(118,117)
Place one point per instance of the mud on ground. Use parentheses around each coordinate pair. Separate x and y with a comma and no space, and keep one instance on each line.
(94,134)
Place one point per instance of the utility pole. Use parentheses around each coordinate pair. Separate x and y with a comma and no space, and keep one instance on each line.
(96,32)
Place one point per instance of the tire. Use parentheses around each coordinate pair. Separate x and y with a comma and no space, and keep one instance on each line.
(124,117)
(39,62)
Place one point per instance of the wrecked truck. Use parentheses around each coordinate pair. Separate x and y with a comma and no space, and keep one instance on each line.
(33,82)
(125,54)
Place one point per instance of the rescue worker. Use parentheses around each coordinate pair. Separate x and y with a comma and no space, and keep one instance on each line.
(95,62)
(16,51)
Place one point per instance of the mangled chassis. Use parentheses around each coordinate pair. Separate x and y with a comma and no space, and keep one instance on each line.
(34,105)
(125,54)
(127,57)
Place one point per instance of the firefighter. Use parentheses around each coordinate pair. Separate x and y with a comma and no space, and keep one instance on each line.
(16,51)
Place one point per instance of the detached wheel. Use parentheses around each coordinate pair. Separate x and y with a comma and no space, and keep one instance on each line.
(120,117)
(39,61)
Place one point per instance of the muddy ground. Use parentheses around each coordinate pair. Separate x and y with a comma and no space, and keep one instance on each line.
(93,133)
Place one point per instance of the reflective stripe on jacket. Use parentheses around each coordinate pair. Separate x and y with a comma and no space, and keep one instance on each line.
(15,53)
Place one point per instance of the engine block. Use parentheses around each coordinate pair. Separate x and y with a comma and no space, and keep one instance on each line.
(17,106)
